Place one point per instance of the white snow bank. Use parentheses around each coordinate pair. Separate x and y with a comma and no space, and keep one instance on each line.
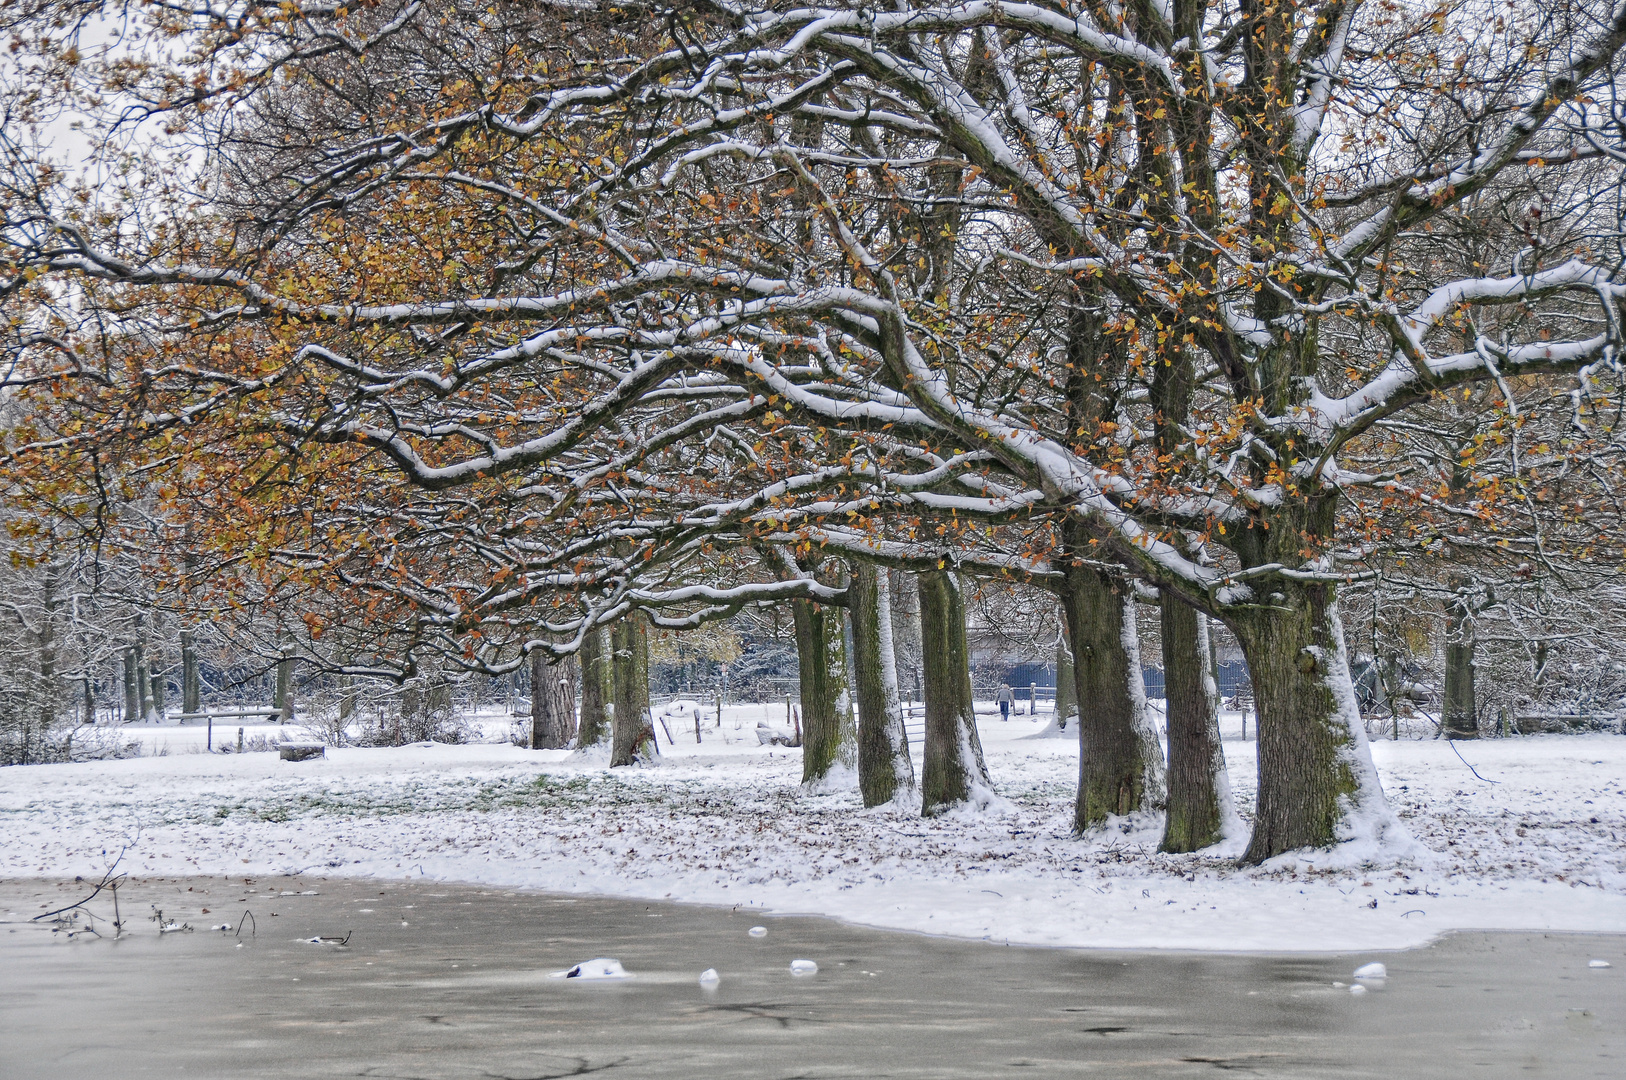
(727,823)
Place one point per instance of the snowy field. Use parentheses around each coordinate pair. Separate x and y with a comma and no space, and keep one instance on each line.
(1534,842)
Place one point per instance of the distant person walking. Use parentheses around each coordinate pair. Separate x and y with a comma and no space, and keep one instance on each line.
(1006,700)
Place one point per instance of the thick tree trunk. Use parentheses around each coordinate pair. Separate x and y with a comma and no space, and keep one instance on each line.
(597,692)
(828,737)
(1120,767)
(954,772)
(1199,790)
(1066,687)
(1460,718)
(553,702)
(884,768)
(191,688)
(1317,784)
(631,728)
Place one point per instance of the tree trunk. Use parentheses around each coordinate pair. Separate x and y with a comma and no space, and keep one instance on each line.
(1460,718)
(49,702)
(1210,643)
(191,688)
(132,696)
(284,700)
(597,693)
(1066,686)
(954,772)
(884,768)
(1317,784)
(143,683)
(828,737)
(631,728)
(155,682)
(1199,790)
(553,701)
(1120,765)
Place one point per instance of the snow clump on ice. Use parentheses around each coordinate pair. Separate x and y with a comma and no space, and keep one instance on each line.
(709,977)
(1357,989)
(803,967)
(1371,971)
(758,931)
(1598,964)
(594,970)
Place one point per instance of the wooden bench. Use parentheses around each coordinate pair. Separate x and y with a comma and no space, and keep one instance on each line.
(301,751)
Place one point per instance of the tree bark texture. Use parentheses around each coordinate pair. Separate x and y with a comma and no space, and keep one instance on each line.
(884,768)
(553,701)
(1460,719)
(1199,792)
(828,736)
(597,690)
(1315,768)
(1120,767)
(631,728)
(954,772)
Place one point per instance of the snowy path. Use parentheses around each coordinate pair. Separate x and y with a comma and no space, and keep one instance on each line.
(728,824)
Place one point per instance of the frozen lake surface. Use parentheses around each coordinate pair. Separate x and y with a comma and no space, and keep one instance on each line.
(453,981)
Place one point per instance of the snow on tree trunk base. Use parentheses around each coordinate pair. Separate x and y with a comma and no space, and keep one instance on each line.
(1318,787)
(829,742)
(954,774)
(1120,770)
(884,770)
(1200,813)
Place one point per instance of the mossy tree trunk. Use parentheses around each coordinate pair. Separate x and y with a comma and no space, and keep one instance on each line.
(553,701)
(1199,793)
(597,690)
(1315,769)
(828,735)
(1120,767)
(954,772)
(632,731)
(884,768)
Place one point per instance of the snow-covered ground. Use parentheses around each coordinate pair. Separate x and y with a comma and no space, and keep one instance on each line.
(1535,844)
